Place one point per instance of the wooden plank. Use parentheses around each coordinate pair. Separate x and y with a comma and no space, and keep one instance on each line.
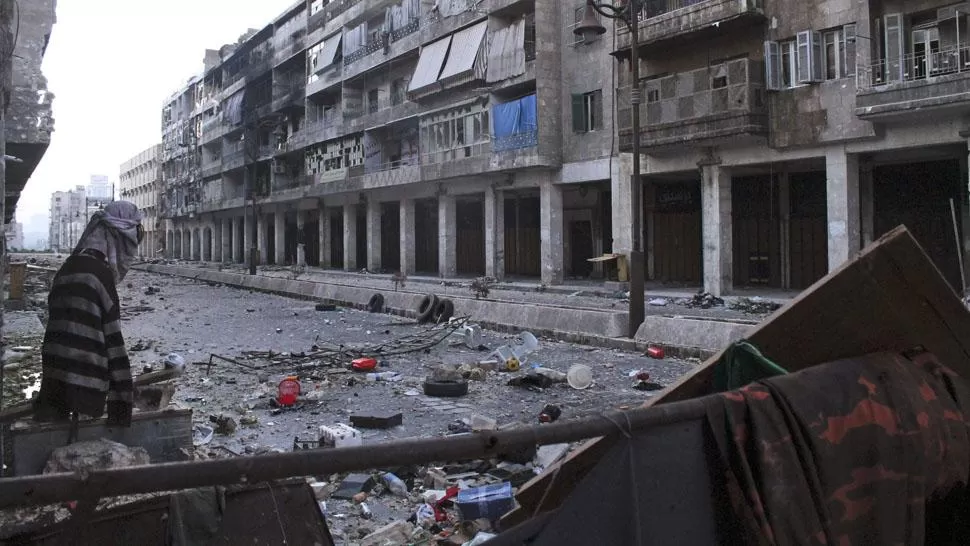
(889,298)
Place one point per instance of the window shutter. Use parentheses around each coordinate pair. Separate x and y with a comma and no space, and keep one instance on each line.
(849,51)
(894,47)
(804,47)
(818,58)
(598,109)
(773,65)
(579,120)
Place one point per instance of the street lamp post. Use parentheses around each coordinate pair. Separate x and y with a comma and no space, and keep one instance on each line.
(252,157)
(628,12)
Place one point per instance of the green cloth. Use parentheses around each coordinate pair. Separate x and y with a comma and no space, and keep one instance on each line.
(741,364)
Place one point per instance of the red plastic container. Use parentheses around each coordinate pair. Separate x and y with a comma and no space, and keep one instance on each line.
(289,391)
(655,352)
(364,364)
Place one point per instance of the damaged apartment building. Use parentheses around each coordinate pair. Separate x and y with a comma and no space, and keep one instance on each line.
(424,137)
(462,138)
(782,136)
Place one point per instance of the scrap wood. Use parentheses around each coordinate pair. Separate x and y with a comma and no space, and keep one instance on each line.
(25,409)
(891,297)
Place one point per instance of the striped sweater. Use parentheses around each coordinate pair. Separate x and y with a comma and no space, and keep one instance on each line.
(84,355)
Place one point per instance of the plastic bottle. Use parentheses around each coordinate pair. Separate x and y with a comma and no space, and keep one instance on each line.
(383,376)
(395,484)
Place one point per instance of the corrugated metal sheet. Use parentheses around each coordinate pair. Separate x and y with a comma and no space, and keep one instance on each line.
(429,64)
(465,53)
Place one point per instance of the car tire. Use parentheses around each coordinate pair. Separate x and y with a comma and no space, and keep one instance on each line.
(444,311)
(427,308)
(445,389)
(376,303)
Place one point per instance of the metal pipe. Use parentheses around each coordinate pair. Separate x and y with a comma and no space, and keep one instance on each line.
(54,488)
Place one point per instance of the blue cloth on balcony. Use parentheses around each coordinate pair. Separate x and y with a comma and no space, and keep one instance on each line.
(515,124)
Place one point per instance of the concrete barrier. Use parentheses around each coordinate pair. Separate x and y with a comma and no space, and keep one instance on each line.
(691,336)
(581,325)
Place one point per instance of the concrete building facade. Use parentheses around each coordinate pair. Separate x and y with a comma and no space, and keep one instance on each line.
(14,233)
(463,138)
(140,182)
(429,138)
(68,218)
(100,187)
(784,136)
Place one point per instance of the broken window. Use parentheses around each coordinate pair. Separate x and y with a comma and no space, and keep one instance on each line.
(454,134)
(588,111)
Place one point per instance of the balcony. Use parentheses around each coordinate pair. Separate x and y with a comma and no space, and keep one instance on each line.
(288,94)
(260,62)
(212,168)
(375,53)
(439,24)
(213,129)
(329,77)
(294,143)
(360,117)
(233,156)
(661,20)
(326,128)
(703,107)
(295,45)
(915,85)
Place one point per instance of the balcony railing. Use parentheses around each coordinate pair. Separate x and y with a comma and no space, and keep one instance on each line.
(663,19)
(515,141)
(913,68)
(377,44)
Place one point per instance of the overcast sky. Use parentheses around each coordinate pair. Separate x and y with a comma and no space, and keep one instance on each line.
(111,64)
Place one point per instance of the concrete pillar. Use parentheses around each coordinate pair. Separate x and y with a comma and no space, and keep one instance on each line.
(247,222)
(408,255)
(717,230)
(300,240)
(784,235)
(494,233)
(350,237)
(227,253)
(262,237)
(649,241)
(622,205)
(550,228)
(373,235)
(866,204)
(325,248)
(237,240)
(280,236)
(963,208)
(842,191)
(197,243)
(447,237)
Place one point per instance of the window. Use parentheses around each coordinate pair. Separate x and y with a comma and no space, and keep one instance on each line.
(809,44)
(653,95)
(399,89)
(789,64)
(832,41)
(588,111)
(373,96)
(454,134)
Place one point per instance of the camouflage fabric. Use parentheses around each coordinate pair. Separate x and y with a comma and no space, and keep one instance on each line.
(845,453)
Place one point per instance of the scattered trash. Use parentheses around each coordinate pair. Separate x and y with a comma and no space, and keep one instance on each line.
(249,420)
(279,330)
(655,351)
(340,435)
(755,306)
(359,497)
(642,381)
(550,413)
(325,307)
(394,484)
(396,533)
(472,334)
(459,427)
(365,511)
(225,425)
(151,290)
(489,502)
(354,484)
(364,364)
(658,302)
(482,286)
(579,376)
(481,423)
(202,435)
(384,376)
(532,381)
(137,347)
(445,388)
(174,361)
(377,420)
(103,454)
(288,391)
(702,300)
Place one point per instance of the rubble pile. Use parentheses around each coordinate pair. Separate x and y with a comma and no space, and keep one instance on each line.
(701,300)
(755,306)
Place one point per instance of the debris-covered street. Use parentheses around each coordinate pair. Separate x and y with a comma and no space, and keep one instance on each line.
(268,337)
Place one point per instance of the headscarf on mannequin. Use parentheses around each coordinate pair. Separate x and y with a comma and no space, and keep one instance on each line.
(114,232)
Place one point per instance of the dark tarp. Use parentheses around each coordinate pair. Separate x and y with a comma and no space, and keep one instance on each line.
(846,453)
(867,451)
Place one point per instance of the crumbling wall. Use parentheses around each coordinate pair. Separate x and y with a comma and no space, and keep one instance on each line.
(6,54)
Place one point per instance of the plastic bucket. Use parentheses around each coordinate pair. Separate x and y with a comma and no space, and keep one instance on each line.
(289,391)
(579,376)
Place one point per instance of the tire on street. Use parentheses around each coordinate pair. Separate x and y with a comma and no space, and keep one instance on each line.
(376,303)
(427,308)
(444,311)
(445,389)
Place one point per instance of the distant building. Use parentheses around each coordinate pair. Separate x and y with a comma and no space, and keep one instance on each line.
(68,214)
(100,187)
(14,233)
(140,182)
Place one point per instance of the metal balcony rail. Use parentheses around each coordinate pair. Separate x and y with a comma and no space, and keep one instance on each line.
(516,141)
(386,102)
(376,44)
(914,67)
